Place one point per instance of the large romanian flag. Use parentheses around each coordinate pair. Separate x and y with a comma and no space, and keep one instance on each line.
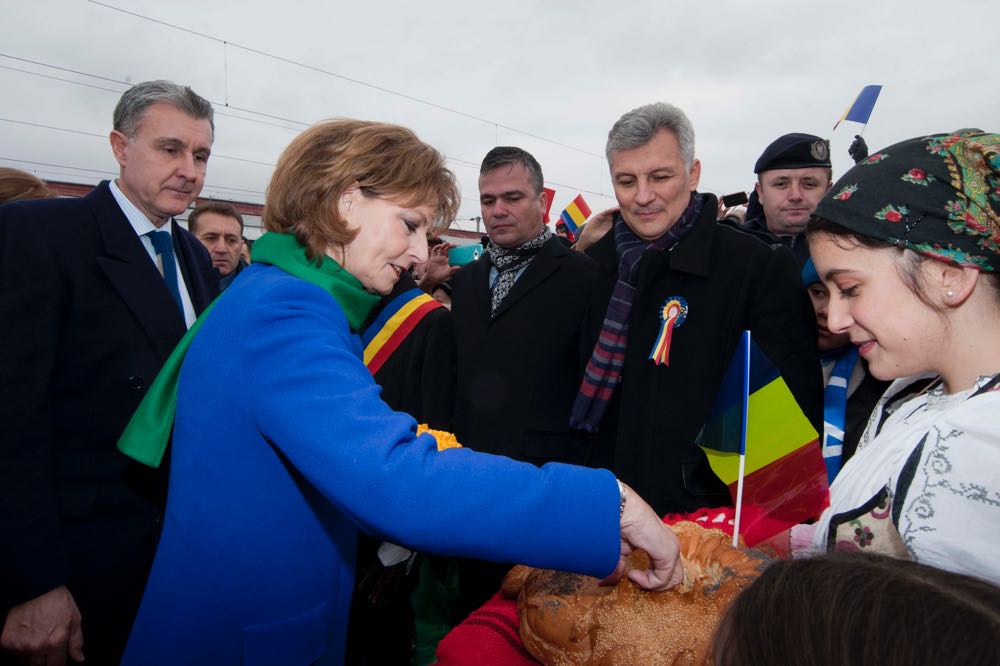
(575,214)
(756,416)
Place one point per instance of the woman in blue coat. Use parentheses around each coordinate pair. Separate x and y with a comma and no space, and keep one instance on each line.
(282,449)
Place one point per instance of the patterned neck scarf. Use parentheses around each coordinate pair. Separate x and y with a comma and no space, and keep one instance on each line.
(604,370)
(509,261)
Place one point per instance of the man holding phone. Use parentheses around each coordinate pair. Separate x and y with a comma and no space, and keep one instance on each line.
(793,174)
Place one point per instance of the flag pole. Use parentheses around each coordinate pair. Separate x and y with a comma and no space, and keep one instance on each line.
(743,437)
(739,502)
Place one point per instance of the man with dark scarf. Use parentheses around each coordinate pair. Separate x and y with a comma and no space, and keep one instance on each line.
(677,290)
(524,329)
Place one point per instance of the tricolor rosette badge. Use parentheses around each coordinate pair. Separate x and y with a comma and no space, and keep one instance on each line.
(672,316)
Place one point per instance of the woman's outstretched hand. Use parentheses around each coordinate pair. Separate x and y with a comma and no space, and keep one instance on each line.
(642,529)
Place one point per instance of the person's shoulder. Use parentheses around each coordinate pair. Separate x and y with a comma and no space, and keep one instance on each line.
(572,259)
(268,297)
(42,211)
(466,273)
(746,241)
(266,283)
(59,224)
(603,251)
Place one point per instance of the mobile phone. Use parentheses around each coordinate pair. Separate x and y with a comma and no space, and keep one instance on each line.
(461,255)
(734,199)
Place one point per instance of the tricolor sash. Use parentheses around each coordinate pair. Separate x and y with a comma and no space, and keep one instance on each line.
(384,336)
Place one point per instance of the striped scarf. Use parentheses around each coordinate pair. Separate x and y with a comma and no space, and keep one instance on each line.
(604,370)
(835,407)
(509,262)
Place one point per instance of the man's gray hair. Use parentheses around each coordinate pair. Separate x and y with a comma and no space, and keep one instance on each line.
(510,155)
(638,127)
(138,98)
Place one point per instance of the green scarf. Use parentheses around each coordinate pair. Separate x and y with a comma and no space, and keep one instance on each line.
(147,434)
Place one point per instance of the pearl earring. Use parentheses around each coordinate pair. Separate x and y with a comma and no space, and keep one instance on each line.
(949,293)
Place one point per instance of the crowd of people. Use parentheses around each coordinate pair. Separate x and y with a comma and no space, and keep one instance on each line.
(194,478)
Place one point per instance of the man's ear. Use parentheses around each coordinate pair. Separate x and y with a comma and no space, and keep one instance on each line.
(119,142)
(695,174)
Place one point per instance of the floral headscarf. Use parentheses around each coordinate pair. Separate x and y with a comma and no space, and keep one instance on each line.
(937,195)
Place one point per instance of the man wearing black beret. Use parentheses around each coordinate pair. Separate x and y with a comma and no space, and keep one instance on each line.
(793,174)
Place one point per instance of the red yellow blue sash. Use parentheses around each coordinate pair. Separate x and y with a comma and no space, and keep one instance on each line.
(384,336)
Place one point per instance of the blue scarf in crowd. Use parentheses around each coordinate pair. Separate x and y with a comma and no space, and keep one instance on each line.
(835,406)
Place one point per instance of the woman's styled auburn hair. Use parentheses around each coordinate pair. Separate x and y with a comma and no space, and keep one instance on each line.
(17,185)
(382,160)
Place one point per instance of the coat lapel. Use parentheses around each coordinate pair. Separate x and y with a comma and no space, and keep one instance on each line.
(693,253)
(136,279)
(545,263)
(481,287)
(199,276)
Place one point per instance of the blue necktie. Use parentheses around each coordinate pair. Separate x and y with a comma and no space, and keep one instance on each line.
(164,247)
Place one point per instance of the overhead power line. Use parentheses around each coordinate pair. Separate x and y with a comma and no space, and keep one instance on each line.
(104,136)
(349,79)
(104,172)
(226,105)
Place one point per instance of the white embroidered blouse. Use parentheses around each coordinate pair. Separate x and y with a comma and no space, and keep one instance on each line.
(945,504)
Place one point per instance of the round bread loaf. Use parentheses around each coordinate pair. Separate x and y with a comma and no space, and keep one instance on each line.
(569,619)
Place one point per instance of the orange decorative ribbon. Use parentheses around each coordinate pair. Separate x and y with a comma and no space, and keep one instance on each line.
(445,440)
(672,316)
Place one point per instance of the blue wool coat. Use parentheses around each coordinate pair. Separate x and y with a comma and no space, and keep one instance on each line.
(282,450)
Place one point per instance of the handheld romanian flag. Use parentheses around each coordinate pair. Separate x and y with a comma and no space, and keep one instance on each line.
(575,214)
(550,194)
(861,109)
(761,445)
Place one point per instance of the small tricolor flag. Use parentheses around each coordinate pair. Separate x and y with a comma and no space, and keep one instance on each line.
(861,109)
(393,323)
(575,214)
(550,194)
(761,445)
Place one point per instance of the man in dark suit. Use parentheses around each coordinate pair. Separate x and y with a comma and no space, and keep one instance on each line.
(677,289)
(523,330)
(92,304)
(522,323)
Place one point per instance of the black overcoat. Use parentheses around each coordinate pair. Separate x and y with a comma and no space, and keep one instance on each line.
(731,282)
(518,373)
(87,322)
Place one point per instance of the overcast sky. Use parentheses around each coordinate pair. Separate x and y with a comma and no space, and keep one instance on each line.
(549,76)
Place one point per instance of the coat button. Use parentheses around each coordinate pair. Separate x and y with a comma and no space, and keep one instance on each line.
(135,382)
